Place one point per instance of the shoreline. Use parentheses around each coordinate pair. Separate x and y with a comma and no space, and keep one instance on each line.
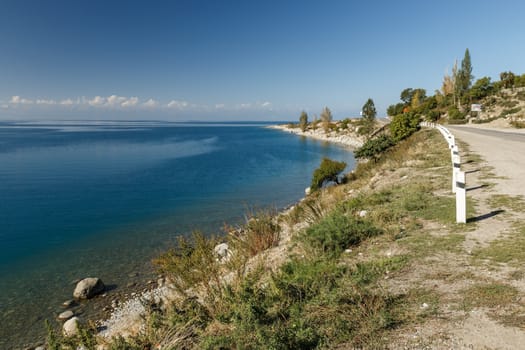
(349,140)
(127,318)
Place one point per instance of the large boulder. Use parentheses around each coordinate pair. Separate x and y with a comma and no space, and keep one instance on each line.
(88,288)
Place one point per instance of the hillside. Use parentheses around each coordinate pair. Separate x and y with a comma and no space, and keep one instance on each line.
(376,262)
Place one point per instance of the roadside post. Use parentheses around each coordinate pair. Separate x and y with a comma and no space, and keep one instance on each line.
(456,163)
(461,199)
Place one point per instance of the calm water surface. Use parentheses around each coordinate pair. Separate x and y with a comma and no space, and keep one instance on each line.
(87,199)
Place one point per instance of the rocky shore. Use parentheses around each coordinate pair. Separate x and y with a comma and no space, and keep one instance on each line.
(347,137)
(122,311)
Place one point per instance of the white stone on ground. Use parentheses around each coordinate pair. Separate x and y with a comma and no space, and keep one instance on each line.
(70,327)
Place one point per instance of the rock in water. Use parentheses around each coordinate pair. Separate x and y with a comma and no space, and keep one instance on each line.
(70,327)
(88,288)
(66,315)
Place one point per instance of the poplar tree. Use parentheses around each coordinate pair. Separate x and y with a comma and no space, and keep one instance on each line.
(464,76)
(303,121)
(369,115)
(326,118)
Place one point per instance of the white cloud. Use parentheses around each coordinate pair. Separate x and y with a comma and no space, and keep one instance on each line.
(45,102)
(15,100)
(177,104)
(67,102)
(130,102)
(115,100)
(151,103)
(97,101)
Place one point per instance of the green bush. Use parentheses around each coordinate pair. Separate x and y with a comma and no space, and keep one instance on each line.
(404,125)
(327,171)
(433,115)
(374,147)
(336,232)
(455,114)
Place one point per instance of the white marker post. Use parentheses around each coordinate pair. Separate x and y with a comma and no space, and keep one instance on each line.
(461,198)
(456,163)
(454,151)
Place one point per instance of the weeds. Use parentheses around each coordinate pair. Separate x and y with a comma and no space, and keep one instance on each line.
(336,232)
(489,295)
(508,250)
(260,233)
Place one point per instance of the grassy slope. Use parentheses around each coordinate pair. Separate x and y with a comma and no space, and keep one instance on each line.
(326,274)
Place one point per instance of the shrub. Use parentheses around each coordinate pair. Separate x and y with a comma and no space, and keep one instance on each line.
(327,171)
(191,263)
(507,112)
(336,232)
(374,147)
(260,233)
(404,125)
(455,114)
(518,124)
(433,115)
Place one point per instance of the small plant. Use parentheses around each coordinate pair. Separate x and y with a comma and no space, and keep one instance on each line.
(507,112)
(327,171)
(518,124)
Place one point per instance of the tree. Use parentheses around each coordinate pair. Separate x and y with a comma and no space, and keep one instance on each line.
(396,109)
(416,100)
(507,79)
(326,118)
(327,171)
(404,125)
(481,88)
(449,83)
(464,76)
(406,95)
(455,74)
(369,116)
(303,121)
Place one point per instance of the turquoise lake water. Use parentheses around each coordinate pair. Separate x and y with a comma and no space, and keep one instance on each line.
(101,199)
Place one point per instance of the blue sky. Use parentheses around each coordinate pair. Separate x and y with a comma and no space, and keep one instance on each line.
(240,60)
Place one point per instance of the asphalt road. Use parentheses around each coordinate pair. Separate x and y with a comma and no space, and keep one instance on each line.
(503,150)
